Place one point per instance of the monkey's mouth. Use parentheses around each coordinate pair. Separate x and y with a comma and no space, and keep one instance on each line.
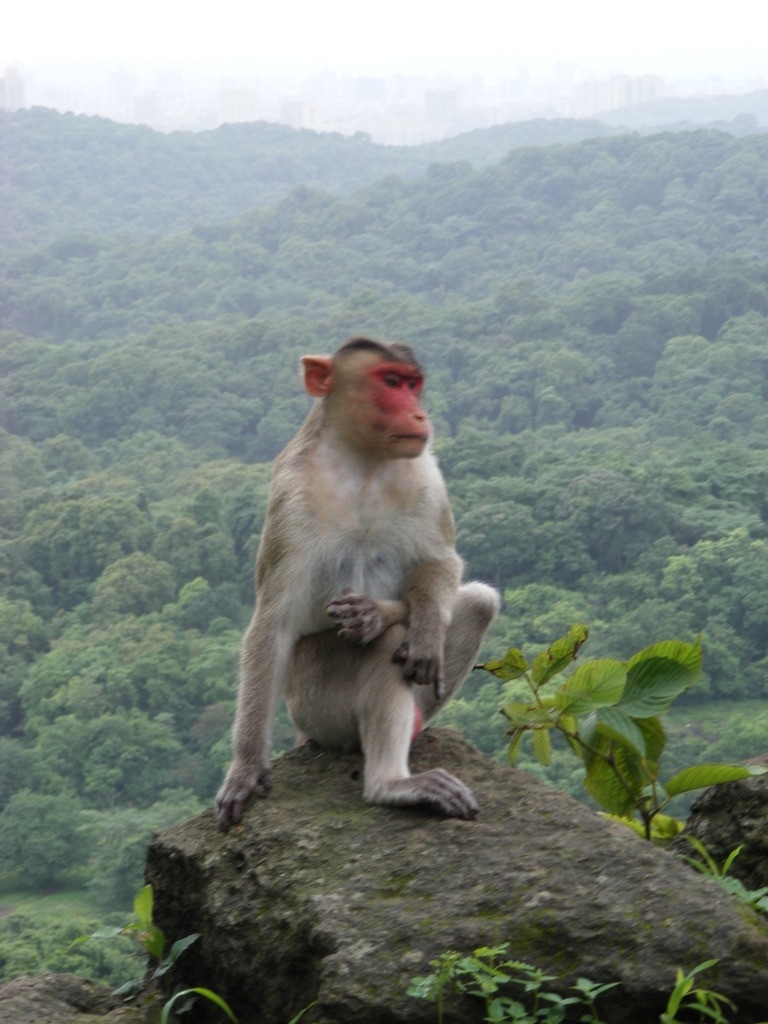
(411,437)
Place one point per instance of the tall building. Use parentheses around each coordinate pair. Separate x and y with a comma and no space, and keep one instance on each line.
(237,104)
(441,105)
(13,92)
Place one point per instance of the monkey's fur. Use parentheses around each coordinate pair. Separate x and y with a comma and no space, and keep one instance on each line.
(360,617)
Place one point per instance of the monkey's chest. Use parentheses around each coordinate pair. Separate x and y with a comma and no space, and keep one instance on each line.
(367,537)
(373,562)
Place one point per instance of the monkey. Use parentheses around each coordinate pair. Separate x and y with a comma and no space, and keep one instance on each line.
(361,619)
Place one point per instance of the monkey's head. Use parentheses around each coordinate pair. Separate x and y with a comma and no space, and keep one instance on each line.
(371,393)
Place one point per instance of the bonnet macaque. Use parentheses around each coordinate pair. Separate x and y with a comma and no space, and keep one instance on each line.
(361,620)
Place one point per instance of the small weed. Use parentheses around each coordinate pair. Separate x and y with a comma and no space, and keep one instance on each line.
(486,975)
(755,898)
(152,941)
(708,1004)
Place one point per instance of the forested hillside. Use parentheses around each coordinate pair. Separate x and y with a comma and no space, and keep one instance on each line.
(63,174)
(593,317)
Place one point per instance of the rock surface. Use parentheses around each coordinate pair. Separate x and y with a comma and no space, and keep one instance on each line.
(725,817)
(319,897)
(66,999)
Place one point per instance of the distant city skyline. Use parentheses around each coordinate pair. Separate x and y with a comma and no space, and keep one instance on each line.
(412,73)
(396,109)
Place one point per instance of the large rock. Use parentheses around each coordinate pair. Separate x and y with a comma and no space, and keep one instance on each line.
(67,999)
(730,816)
(317,896)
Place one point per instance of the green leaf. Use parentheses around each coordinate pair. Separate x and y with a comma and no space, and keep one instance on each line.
(142,906)
(206,994)
(603,784)
(175,952)
(559,655)
(595,684)
(687,655)
(615,724)
(570,727)
(607,764)
(130,989)
(153,941)
(658,674)
(655,741)
(517,713)
(300,1014)
(664,827)
(147,932)
(526,716)
(731,858)
(699,776)
(707,865)
(542,748)
(106,932)
(511,666)
(514,746)
(180,945)
(588,728)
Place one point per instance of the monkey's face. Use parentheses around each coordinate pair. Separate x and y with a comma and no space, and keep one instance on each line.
(394,418)
(378,409)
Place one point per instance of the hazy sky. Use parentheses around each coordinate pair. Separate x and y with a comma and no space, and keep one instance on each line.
(488,36)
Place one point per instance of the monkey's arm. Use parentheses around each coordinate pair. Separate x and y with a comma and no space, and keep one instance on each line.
(264,657)
(361,618)
(429,594)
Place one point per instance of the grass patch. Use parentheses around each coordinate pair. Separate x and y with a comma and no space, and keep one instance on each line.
(37,931)
(62,905)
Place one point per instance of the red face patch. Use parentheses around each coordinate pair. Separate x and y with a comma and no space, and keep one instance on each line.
(391,422)
(398,387)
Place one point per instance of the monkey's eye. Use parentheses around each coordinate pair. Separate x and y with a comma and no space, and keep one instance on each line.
(392,380)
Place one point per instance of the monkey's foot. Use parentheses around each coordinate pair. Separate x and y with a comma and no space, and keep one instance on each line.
(239,784)
(436,788)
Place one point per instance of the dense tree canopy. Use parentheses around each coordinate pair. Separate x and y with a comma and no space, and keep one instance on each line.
(592,315)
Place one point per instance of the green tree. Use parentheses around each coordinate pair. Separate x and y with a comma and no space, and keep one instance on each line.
(70,543)
(15,768)
(41,836)
(498,541)
(110,760)
(119,840)
(134,585)
(23,637)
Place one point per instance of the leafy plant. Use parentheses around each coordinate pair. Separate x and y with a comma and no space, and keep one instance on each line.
(609,712)
(486,975)
(190,993)
(152,941)
(708,1004)
(755,898)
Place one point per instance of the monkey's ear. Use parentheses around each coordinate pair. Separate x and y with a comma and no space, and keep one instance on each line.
(318,375)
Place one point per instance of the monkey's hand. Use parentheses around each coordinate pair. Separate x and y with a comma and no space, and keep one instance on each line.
(242,780)
(357,616)
(422,665)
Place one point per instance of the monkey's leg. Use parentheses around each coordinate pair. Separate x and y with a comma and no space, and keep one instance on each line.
(386,709)
(320,689)
(475,607)
(343,695)
(387,779)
